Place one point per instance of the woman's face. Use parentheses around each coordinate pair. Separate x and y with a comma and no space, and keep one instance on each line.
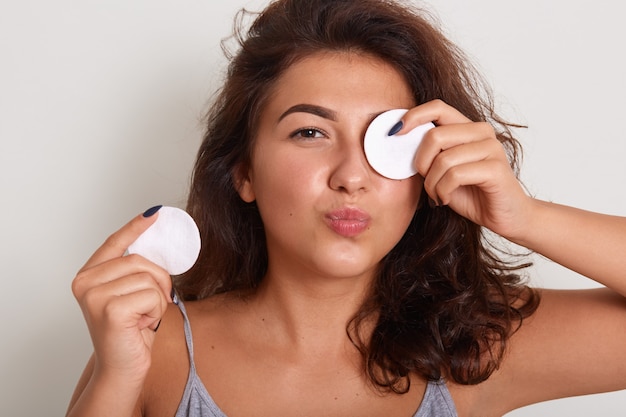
(326,212)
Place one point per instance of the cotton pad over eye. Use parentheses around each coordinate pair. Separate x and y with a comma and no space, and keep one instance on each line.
(172,242)
(393,156)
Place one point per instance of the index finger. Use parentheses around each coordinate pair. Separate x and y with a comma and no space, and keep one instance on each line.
(116,244)
(436,111)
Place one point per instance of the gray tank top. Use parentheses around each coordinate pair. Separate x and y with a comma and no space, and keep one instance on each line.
(197,402)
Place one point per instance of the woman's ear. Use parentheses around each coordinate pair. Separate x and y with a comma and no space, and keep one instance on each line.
(243,182)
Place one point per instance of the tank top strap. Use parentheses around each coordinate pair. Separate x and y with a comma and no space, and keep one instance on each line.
(437,401)
(188,335)
(196,401)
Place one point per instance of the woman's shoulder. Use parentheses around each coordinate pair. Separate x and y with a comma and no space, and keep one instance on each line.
(213,314)
(205,316)
(171,351)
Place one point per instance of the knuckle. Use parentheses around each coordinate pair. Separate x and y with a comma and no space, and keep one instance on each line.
(488,129)
(145,279)
(133,259)
(435,138)
(140,263)
(502,167)
(78,285)
(157,296)
(497,147)
(91,298)
(438,104)
(112,310)
(445,161)
(455,175)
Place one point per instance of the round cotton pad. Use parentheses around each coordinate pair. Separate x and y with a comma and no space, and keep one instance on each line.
(172,242)
(392,156)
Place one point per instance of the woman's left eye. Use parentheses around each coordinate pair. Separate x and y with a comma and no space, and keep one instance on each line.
(307,133)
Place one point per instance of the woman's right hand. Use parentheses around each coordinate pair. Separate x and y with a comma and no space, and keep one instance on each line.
(123,299)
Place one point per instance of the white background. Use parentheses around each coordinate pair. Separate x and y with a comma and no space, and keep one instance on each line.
(100,116)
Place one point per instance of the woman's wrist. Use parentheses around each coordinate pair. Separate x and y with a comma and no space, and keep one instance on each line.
(108,394)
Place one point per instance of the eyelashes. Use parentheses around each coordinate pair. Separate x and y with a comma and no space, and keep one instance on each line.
(308,133)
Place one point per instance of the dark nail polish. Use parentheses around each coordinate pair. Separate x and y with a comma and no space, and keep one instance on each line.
(396,128)
(151,211)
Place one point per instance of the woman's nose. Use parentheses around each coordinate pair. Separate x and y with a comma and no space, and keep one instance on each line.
(351,172)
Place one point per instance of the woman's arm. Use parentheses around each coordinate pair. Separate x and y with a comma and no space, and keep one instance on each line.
(466,168)
(589,243)
(123,299)
(95,396)
(575,343)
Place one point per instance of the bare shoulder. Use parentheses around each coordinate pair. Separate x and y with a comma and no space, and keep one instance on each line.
(572,345)
(170,367)
(165,382)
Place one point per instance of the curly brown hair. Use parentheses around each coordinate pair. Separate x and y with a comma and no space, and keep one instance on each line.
(444,301)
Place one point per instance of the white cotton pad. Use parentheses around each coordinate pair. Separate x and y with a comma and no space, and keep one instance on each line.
(393,156)
(172,242)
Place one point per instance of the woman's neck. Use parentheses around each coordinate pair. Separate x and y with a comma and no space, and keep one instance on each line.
(310,311)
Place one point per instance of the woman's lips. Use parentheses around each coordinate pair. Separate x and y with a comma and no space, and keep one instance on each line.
(348,222)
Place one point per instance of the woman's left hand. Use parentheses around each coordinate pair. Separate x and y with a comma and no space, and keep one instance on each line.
(466,168)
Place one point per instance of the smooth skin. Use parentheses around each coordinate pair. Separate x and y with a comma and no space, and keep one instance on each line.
(330,219)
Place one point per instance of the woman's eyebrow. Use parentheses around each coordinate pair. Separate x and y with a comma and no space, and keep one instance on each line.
(312,109)
(320,111)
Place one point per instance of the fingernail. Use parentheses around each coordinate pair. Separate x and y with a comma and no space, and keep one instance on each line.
(152,211)
(396,128)
(174,296)
(157,326)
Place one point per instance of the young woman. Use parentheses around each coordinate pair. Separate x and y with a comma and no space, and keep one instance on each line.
(323,288)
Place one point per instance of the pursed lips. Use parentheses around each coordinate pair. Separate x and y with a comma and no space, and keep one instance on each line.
(348,221)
